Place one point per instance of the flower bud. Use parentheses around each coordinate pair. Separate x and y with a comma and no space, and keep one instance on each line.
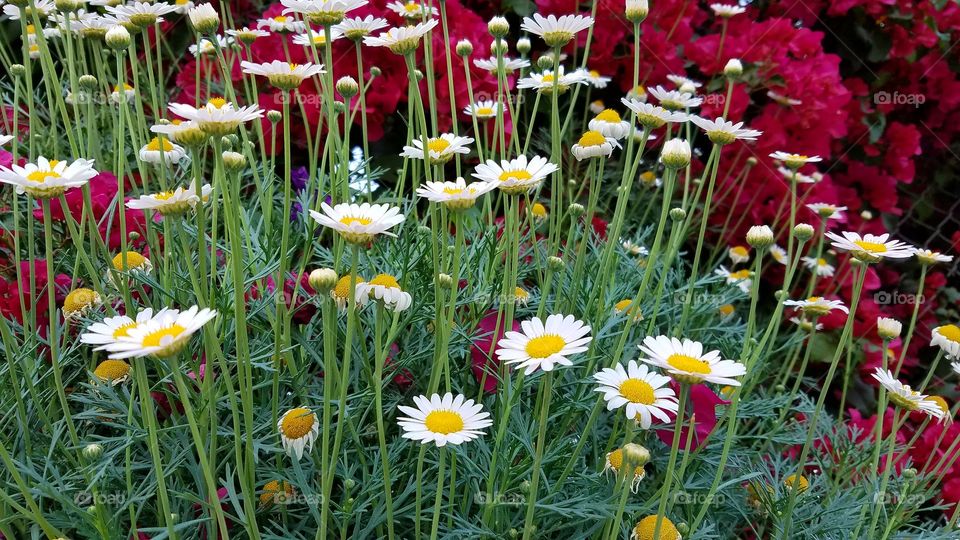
(683,529)
(424,230)
(498,27)
(524,46)
(88,82)
(498,47)
(675,154)
(92,451)
(910,473)
(349,484)
(274,116)
(67,6)
(204,18)
(234,162)
(347,87)
(556,264)
(576,209)
(678,214)
(803,231)
(445,281)
(545,61)
(752,161)
(688,88)
(323,280)
(464,47)
(375,71)
(635,455)
(17,70)
(339,107)
(760,236)
(117,38)
(867,215)
(636,10)
(227,142)
(733,69)
(888,329)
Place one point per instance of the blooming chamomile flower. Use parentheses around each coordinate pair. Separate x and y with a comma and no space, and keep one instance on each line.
(443,420)
(794,161)
(593,144)
(47,179)
(820,266)
(183,132)
(647,527)
(738,254)
(165,334)
(546,80)
(317,39)
(484,110)
(403,40)
(441,149)
(653,116)
(161,151)
(726,10)
(686,362)
(413,10)
(282,24)
(283,75)
(680,81)
(643,394)
(609,124)
(124,94)
(947,337)
(516,176)
(633,249)
(556,31)
(926,256)
(793,175)
(625,306)
(740,278)
(358,28)
(509,64)
(675,100)
(171,203)
(870,247)
(322,12)
(722,131)
(218,118)
(247,35)
(111,329)
(209,46)
(816,305)
(827,211)
(594,79)
(42,8)
(542,345)
(386,288)
(341,292)
(905,397)
(298,429)
(112,372)
(141,14)
(79,302)
(358,223)
(456,195)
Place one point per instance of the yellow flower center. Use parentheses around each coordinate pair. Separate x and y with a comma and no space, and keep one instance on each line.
(951,332)
(452,191)
(814,299)
(802,484)
(272,489)
(444,422)
(385,280)
(822,262)
(545,345)
(609,115)
(124,330)
(217,103)
(871,247)
(740,274)
(623,304)
(163,336)
(438,145)
(615,461)
(726,309)
(281,18)
(342,289)
(158,145)
(519,292)
(594,73)
(539,210)
(647,526)
(297,422)
(411,7)
(349,220)
(133,260)
(484,111)
(111,370)
(79,299)
(126,88)
(941,402)
(637,391)
(515,175)
(648,177)
(740,251)
(592,138)
(547,78)
(41,176)
(689,364)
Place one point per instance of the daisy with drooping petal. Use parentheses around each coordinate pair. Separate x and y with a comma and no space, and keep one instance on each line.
(609,124)
(686,362)
(643,394)
(171,203)
(653,116)
(545,81)
(817,305)
(443,420)
(298,429)
(741,278)
(317,39)
(247,35)
(596,80)
(358,28)
(738,254)
(806,324)
(386,288)
(47,179)
(779,254)
(633,249)
(283,75)
(521,297)
(675,100)
(282,24)
(625,306)
(322,12)
(142,14)
(402,40)
(413,10)
(722,131)
(820,266)
(593,144)
(79,302)
(870,247)
(358,223)
(112,372)
(484,110)
(726,10)
(827,211)
(926,256)
(516,176)
(161,151)
(183,132)
(442,148)
(456,195)
(542,345)
(905,397)
(218,118)
(131,262)
(556,31)
(793,175)
(341,292)
(614,461)
(111,329)
(947,337)
(509,64)
(165,334)
(794,161)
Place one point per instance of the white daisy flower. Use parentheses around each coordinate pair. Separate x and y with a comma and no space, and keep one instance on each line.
(358,223)
(43,9)
(162,151)
(130,262)
(820,266)
(794,161)
(111,329)
(356,28)
(442,148)
(341,292)
(171,203)
(686,362)
(779,254)
(793,175)
(282,24)
(609,124)
(218,117)
(869,247)
(186,132)
(726,10)
(653,116)
(120,96)
(741,278)
(947,337)
(165,334)
(456,195)
(816,305)
(208,47)
(596,80)
(782,99)
(643,394)
(544,82)
(247,35)
(403,40)
(142,14)
(182,6)
(593,144)
(827,211)
(298,429)
(413,10)
(674,99)
(93,27)
(317,39)
(509,64)
(738,254)
(596,106)
(47,179)
(555,31)
(905,397)
(484,109)
(806,324)
(322,12)
(386,288)
(927,256)
(889,328)
(680,80)
(443,420)
(542,345)
(722,131)
(634,249)
(516,176)
(283,75)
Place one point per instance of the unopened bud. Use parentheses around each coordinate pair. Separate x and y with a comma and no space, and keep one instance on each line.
(524,46)
(888,329)
(204,18)
(760,236)
(675,154)
(576,209)
(347,87)
(92,451)
(635,455)
(445,280)
(545,61)
(498,47)
(323,280)
(803,231)
(636,10)
(274,116)
(464,47)
(17,70)
(117,38)
(678,214)
(88,82)
(498,27)
(733,69)
(234,162)
(556,264)
(375,71)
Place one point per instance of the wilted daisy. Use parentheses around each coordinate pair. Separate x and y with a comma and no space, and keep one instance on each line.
(509,64)
(247,35)
(457,195)
(722,131)
(442,148)
(520,296)
(322,12)
(686,362)
(596,80)
(827,211)
(546,80)
(113,372)
(316,39)
(443,420)
(643,394)
(870,247)
(283,75)
(171,203)
(218,117)
(358,223)
(357,28)
(282,24)
(675,100)
(516,176)
(484,110)
(820,266)
(633,249)
(740,278)
(726,10)
(165,334)
(162,151)
(926,256)
(615,461)
(386,288)
(341,292)
(413,10)
(403,40)
(130,261)
(142,14)
(905,397)
(79,302)
(47,179)
(609,124)
(947,337)
(209,46)
(794,161)
(542,345)
(738,254)
(816,305)
(122,94)
(298,429)
(556,31)
(593,144)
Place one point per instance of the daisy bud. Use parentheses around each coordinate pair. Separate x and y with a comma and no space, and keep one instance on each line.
(866,214)
(780,295)
(464,47)
(92,451)
(445,281)
(424,230)
(204,18)
(67,5)
(780,388)
(637,10)
(498,47)
(760,236)
(803,231)
(683,528)
(909,473)
(349,484)
(347,87)
(17,70)
(733,69)
(635,455)
(117,38)
(888,329)
(678,214)
(688,88)
(274,116)
(375,71)
(556,264)
(323,280)
(234,162)
(751,161)
(523,46)
(88,82)
(498,27)
(339,107)
(227,142)
(576,209)
(675,154)
(418,74)
(545,61)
